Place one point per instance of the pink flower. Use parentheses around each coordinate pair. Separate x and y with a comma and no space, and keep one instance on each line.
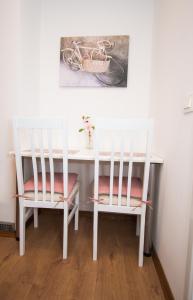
(87,125)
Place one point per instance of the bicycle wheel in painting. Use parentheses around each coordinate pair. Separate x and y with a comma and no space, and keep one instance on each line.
(115,75)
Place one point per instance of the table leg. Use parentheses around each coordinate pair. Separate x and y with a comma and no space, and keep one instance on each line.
(153,179)
(17,205)
(17,218)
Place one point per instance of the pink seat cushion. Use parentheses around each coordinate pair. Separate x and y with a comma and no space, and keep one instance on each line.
(136,186)
(58,183)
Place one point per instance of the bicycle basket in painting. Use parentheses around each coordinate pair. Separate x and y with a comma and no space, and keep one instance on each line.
(95,66)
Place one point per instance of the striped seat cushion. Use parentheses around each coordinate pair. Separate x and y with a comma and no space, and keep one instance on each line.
(136,190)
(58,186)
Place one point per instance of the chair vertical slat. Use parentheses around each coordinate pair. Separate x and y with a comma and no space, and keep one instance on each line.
(65,163)
(18,158)
(42,160)
(129,176)
(34,164)
(121,171)
(111,173)
(147,165)
(51,163)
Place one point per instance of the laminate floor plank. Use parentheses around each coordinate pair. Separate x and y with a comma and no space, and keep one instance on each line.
(42,274)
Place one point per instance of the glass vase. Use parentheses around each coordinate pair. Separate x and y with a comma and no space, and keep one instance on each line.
(89,140)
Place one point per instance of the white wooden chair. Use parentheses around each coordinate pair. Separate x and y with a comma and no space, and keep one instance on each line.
(46,188)
(122,193)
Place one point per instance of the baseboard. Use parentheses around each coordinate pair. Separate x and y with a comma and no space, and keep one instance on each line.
(7,234)
(162,277)
(7,229)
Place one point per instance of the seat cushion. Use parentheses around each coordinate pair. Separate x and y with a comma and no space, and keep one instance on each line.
(136,190)
(58,186)
(104,199)
(136,186)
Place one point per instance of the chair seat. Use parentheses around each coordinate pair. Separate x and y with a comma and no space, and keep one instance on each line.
(104,199)
(58,186)
(104,190)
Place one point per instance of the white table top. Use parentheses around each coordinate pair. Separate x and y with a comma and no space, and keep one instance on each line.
(88,155)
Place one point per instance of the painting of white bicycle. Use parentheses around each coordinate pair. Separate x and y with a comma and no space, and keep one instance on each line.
(94,61)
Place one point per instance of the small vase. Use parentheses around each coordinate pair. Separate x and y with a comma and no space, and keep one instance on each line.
(89,140)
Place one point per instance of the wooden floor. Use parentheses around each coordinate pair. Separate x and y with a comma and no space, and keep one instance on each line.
(42,274)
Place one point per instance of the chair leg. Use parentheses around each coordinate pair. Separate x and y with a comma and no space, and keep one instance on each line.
(21,229)
(77,211)
(141,239)
(95,234)
(65,232)
(35,217)
(138,225)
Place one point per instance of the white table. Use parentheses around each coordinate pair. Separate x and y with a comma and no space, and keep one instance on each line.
(88,155)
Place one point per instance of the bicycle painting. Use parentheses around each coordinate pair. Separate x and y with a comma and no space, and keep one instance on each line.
(94,61)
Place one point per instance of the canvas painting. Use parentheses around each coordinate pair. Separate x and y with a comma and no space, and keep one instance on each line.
(100,61)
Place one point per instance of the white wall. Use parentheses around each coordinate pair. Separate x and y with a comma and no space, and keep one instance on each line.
(62,18)
(9,91)
(30,56)
(19,84)
(172,80)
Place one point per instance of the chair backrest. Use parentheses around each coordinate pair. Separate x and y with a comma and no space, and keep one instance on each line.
(41,133)
(124,140)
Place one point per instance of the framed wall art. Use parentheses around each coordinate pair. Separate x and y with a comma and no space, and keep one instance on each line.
(94,61)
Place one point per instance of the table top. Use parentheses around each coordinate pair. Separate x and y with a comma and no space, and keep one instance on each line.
(88,155)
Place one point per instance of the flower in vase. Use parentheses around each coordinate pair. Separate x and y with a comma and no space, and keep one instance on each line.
(88,128)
